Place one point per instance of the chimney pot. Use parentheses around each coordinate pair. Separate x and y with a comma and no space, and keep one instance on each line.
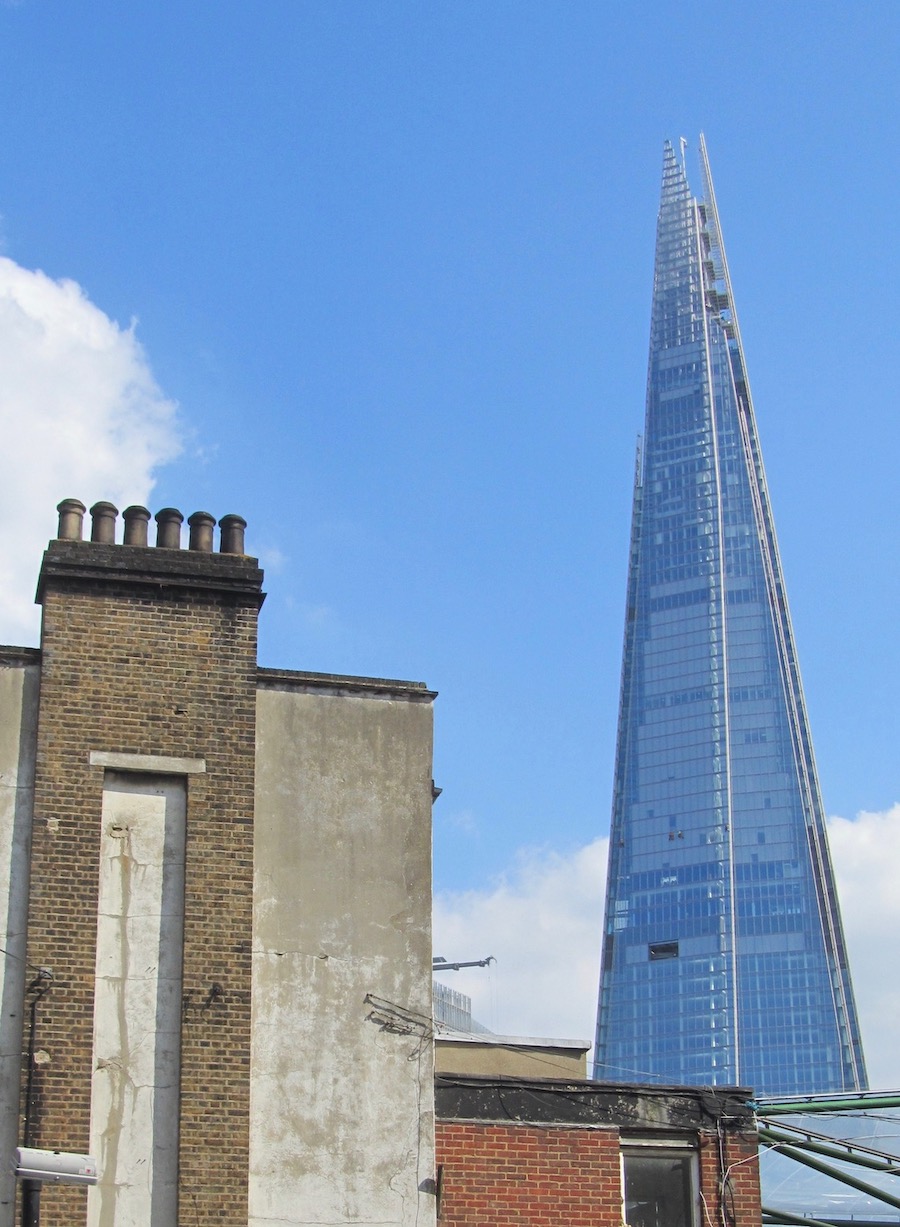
(71,518)
(232,536)
(202,525)
(103,523)
(136,520)
(168,530)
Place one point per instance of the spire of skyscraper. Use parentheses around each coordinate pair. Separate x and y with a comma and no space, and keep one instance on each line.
(724,958)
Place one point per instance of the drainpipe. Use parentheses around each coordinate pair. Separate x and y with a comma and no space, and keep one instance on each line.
(31,1189)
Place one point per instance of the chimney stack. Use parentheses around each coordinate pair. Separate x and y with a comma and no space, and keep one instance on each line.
(103,523)
(168,528)
(136,520)
(71,517)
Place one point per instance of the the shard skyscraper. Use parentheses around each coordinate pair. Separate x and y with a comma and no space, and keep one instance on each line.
(723,958)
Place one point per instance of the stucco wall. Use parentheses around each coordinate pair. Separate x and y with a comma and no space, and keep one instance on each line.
(341,1069)
(19,681)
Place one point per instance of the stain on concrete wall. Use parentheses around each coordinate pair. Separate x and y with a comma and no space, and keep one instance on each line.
(137,1002)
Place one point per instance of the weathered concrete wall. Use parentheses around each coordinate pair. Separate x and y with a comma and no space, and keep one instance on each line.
(341,1071)
(138,1002)
(19,682)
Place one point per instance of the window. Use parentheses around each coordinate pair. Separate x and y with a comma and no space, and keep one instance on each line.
(659,1186)
(663,950)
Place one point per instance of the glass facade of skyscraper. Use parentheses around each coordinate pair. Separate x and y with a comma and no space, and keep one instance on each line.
(724,959)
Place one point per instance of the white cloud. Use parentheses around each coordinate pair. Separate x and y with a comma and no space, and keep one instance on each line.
(272,559)
(81,416)
(866,855)
(542,923)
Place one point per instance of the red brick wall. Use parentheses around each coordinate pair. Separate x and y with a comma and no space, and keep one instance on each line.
(525,1176)
(741,1159)
(529,1176)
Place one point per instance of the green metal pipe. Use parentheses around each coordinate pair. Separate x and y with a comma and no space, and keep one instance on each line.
(778,1217)
(784,1216)
(890,1167)
(843,1177)
(858,1103)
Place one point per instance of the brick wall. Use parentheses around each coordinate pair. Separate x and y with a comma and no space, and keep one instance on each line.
(527,1176)
(151,652)
(542,1176)
(739,1151)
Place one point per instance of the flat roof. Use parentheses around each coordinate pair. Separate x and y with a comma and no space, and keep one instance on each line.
(509,1041)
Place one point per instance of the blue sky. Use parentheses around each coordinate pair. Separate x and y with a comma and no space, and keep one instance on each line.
(393,262)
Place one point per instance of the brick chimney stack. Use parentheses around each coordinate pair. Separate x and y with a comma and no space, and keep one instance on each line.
(148,683)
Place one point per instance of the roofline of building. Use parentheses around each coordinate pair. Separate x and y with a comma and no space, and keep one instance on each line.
(338,683)
(12,656)
(580,1102)
(510,1041)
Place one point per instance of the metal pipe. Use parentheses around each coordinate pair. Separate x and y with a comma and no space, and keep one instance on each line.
(843,1177)
(854,1103)
(31,1189)
(784,1216)
(842,1152)
(42,982)
(31,1203)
